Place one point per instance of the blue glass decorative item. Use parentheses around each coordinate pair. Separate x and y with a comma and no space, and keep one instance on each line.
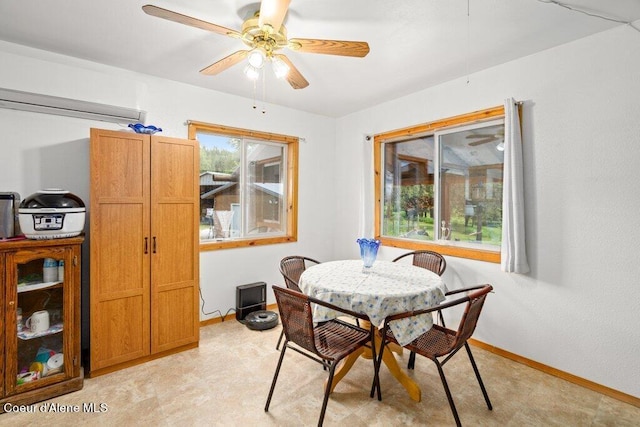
(140,128)
(368,252)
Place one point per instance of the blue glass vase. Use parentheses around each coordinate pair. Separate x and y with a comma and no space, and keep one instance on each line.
(140,128)
(368,251)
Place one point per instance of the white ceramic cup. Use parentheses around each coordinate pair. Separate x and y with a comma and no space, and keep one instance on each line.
(38,322)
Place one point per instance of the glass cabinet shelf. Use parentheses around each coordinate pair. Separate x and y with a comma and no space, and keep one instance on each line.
(35,286)
(27,335)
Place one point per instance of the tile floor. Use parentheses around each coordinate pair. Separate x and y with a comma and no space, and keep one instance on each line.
(225,382)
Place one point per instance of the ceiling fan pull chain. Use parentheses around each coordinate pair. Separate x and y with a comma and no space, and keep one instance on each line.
(254,94)
(264,92)
(468,39)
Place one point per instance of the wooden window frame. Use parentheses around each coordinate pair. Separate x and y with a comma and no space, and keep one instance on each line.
(412,132)
(291,183)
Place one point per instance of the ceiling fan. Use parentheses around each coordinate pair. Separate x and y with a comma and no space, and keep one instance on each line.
(265,36)
(485,138)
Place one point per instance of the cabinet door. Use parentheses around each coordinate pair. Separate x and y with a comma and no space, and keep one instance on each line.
(175,245)
(41,349)
(120,247)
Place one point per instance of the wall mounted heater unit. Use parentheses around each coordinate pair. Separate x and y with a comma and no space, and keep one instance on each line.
(37,103)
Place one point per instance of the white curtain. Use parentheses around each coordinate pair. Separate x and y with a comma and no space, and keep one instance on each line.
(513,256)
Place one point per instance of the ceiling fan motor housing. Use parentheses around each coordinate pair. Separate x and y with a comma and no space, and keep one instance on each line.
(264,37)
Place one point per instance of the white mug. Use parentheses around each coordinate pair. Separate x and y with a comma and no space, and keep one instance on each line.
(38,322)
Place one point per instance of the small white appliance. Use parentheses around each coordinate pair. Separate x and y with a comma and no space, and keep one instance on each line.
(52,214)
(9,215)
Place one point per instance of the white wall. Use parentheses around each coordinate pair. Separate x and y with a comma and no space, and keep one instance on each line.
(578,310)
(39,151)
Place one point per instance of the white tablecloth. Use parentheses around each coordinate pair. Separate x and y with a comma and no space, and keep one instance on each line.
(389,288)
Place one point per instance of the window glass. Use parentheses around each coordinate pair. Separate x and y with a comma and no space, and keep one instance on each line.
(470,190)
(264,188)
(408,204)
(439,186)
(220,158)
(247,186)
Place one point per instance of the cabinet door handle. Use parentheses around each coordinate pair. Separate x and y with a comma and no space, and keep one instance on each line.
(154,244)
(146,245)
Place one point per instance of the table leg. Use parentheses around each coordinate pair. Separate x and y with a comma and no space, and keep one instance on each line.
(390,362)
(395,348)
(344,367)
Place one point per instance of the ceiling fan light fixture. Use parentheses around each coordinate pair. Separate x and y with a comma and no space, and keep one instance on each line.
(264,35)
(257,57)
(252,72)
(280,68)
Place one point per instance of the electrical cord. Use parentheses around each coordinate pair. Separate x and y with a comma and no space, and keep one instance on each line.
(593,14)
(214,311)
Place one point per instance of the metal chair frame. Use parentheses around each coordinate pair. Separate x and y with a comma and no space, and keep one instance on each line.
(432,261)
(305,338)
(442,342)
(291,277)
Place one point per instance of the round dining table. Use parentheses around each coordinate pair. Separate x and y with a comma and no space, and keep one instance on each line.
(385,289)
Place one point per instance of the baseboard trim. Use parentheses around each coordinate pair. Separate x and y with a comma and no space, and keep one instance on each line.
(220,319)
(615,394)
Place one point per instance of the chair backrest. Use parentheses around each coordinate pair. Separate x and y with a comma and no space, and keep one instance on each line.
(292,267)
(471,315)
(296,317)
(473,300)
(430,260)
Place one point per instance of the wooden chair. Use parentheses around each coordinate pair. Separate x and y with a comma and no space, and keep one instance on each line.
(432,261)
(442,342)
(291,268)
(326,343)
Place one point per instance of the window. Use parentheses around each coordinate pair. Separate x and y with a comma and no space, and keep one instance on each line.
(440,186)
(247,186)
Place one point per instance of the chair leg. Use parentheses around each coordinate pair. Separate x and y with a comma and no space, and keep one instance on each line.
(412,360)
(376,367)
(441,318)
(475,369)
(448,392)
(327,392)
(280,340)
(376,370)
(275,376)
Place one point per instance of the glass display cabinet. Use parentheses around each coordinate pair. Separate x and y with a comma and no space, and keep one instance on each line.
(40,305)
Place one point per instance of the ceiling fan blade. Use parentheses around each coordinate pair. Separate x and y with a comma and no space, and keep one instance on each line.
(294,77)
(330,47)
(483,141)
(480,135)
(272,12)
(224,63)
(187,20)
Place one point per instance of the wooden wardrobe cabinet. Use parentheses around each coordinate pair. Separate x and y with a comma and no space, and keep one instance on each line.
(144,248)
(35,364)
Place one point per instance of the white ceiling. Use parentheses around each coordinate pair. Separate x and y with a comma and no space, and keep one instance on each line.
(414,44)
